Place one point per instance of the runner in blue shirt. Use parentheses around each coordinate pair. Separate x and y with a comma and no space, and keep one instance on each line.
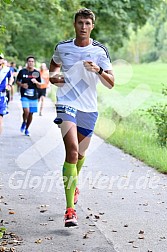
(6,80)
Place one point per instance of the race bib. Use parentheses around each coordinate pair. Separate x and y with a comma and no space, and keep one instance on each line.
(66,109)
(29,92)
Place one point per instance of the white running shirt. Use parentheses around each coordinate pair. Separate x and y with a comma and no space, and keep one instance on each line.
(79,90)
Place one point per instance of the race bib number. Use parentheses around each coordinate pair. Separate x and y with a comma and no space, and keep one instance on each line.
(66,109)
(29,92)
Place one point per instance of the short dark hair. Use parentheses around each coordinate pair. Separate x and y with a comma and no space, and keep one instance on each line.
(86,13)
(30,56)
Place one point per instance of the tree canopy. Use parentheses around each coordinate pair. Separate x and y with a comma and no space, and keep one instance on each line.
(35,28)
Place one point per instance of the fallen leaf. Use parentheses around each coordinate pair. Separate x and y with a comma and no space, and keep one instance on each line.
(11,212)
(12,249)
(91,231)
(49,238)
(44,206)
(13,235)
(38,241)
(2,229)
(2,249)
(163,237)
(4,243)
(85,236)
(126,225)
(43,210)
(141,237)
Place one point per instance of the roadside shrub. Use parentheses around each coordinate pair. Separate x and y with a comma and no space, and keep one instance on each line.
(159,113)
(149,57)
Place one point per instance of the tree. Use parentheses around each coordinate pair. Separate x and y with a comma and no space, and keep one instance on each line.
(36,28)
(115,16)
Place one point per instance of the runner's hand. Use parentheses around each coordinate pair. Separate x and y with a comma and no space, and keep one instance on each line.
(57,80)
(24,85)
(34,81)
(91,66)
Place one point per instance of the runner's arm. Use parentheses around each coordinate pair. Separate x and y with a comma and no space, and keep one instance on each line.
(23,85)
(55,78)
(106,77)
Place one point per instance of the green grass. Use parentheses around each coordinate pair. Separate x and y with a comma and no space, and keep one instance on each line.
(141,145)
(122,120)
(152,75)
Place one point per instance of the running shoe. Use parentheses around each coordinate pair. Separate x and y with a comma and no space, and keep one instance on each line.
(27,133)
(76,194)
(23,126)
(70,218)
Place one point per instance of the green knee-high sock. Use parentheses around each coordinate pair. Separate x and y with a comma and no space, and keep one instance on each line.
(80,164)
(70,181)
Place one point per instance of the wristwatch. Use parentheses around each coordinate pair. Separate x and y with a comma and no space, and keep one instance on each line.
(100,71)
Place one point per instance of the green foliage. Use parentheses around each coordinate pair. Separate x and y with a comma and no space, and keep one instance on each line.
(2,231)
(140,144)
(134,133)
(147,43)
(114,18)
(35,28)
(159,113)
(8,1)
(149,57)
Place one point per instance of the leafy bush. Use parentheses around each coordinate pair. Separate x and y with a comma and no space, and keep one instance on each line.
(159,112)
(2,231)
(149,57)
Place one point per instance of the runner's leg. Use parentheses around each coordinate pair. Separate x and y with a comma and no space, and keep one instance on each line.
(69,134)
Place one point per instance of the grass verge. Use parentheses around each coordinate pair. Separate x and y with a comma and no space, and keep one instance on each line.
(133,134)
(134,140)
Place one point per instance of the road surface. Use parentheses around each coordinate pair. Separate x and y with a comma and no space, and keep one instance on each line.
(122,204)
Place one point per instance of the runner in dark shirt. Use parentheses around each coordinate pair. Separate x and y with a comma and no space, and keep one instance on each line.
(29,80)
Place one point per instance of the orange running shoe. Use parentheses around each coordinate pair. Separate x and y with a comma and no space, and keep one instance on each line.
(76,194)
(70,218)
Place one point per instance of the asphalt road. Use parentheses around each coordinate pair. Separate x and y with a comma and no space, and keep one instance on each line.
(122,204)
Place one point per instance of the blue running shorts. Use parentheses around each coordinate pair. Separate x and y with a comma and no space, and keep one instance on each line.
(85,121)
(31,104)
(3,106)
